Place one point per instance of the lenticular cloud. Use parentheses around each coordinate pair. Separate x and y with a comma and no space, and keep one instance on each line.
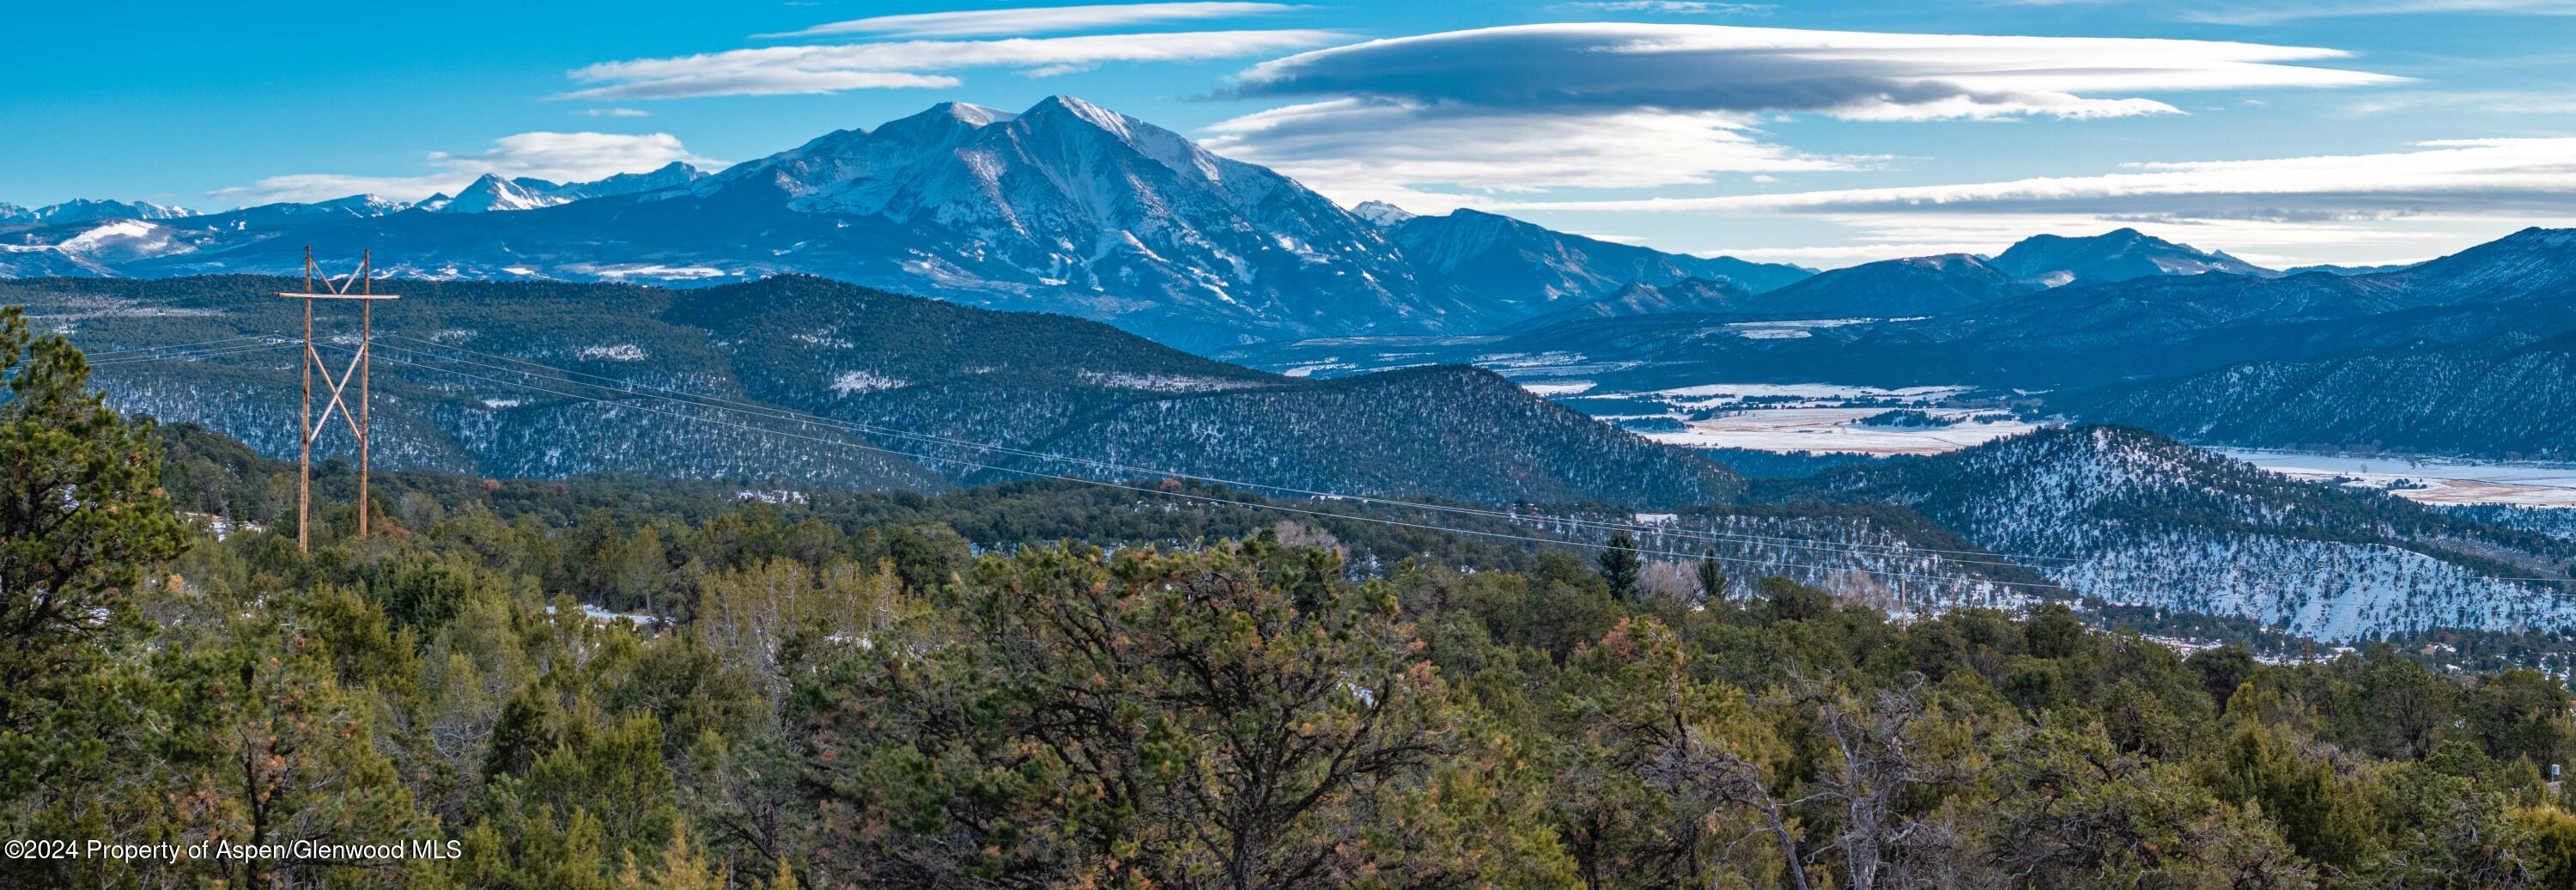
(1602,66)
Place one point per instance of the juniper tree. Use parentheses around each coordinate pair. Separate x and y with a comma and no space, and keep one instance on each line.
(82,516)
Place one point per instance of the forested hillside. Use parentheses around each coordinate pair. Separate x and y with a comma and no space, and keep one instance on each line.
(597,684)
(548,379)
(2510,398)
(2136,519)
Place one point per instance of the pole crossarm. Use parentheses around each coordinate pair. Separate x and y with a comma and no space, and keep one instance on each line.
(309,429)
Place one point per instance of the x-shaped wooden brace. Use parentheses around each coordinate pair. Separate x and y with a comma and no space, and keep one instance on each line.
(337,386)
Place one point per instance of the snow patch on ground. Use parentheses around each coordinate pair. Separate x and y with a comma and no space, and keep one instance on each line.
(857,382)
(621,352)
(623,271)
(1159,382)
(1839,430)
(1558,387)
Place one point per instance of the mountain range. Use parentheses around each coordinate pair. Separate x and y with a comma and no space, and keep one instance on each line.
(1065,207)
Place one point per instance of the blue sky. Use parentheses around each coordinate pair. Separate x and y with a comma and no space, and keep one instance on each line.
(2287,131)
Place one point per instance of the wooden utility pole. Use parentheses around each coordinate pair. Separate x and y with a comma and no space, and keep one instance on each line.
(307,429)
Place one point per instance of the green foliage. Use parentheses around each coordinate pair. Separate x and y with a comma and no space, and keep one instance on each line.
(82,519)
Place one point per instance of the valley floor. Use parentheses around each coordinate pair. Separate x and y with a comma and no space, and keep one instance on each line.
(2430,480)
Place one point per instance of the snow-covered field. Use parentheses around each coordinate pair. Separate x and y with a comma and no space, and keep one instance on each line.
(2444,481)
(1839,429)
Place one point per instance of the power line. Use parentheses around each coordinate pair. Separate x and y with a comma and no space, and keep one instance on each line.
(199,355)
(95,353)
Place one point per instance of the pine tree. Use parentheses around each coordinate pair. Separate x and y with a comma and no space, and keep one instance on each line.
(1712,578)
(1620,565)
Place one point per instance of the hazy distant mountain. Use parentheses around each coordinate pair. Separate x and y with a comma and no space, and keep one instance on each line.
(1641,298)
(1906,287)
(1066,207)
(2117,255)
(87,210)
(2347,270)
(1531,270)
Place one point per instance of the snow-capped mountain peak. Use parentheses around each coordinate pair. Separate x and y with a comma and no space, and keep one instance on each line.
(490,194)
(1381,213)
(81,210)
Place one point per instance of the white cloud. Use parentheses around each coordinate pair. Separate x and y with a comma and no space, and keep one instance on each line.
(1361,149)
(613,112)
(562,157)
(1033,20)
(1611,105)
(828,69)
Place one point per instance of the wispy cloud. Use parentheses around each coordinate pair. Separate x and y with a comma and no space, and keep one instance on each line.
(2535,176)
(1607,105)
(2487,101)
(1673,7)
(613,112)
(1032,20)
(828,69)
(2274,12)
(562,157)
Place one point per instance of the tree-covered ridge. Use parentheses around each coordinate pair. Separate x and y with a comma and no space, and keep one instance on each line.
(2132,518)
(699,384)
(2508,398)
